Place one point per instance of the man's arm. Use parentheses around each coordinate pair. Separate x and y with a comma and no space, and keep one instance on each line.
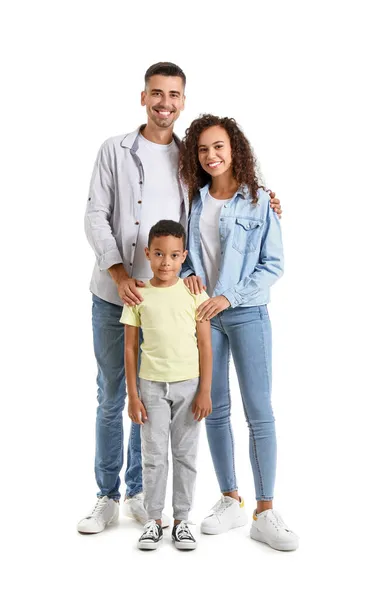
(202,403)
(136,410)
(99,232)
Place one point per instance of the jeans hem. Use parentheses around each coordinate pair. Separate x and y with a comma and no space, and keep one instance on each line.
(115,497)
(264,498)
(135,493)
(234,489)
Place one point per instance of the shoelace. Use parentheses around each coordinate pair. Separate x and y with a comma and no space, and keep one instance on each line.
(151,530)
(98,508)
(220,506)
(183,532)
(277,521)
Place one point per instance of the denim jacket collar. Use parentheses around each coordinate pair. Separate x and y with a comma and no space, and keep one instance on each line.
(242,191)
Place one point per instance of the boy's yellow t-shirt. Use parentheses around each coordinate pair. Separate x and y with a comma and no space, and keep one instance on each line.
(167,317)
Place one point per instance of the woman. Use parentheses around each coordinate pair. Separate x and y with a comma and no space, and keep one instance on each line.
(235,248)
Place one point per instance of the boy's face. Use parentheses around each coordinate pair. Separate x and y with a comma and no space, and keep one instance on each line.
(166,255)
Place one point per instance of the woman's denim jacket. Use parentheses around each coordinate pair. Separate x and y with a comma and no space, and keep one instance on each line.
(251,248)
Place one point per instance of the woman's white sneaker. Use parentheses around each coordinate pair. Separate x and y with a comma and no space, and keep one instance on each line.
(227,514)
(269,527)
(134,508)
(105,512)
(152,536)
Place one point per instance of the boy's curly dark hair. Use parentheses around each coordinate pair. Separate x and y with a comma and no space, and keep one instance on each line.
(244,164)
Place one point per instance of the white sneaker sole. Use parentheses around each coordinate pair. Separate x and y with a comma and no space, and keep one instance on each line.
(144,545)
(85,528)
(240,522)
(185,545)
(256,535)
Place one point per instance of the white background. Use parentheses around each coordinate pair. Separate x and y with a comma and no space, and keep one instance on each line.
(295,76)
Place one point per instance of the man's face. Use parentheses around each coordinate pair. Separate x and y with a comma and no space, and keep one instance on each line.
(163,99)
(166,255)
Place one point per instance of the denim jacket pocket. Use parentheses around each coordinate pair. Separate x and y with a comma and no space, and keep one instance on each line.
(246,235)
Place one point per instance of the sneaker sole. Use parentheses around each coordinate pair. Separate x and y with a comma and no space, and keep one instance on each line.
(256,535)
(241,522)
(185,545)
(149,545)
(114,519)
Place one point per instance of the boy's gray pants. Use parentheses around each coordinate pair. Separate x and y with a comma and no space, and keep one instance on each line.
(169,411)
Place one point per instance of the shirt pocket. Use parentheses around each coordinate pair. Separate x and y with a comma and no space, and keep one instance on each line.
(247,234)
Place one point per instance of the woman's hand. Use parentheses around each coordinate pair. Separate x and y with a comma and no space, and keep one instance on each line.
(194,284)
(136,411)
(201,406)
(210,308)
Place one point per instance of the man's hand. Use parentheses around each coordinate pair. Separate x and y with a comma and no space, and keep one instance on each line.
(128,291)
(194,284)
(210,308)
(136,411)
(201,406)
(275,203)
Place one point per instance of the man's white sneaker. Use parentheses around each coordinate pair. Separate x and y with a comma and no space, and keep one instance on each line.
(105,512)
(225,515)
(268,527)
(134,508)
(152,536)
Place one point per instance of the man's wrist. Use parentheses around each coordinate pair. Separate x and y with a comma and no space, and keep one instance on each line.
(118,273)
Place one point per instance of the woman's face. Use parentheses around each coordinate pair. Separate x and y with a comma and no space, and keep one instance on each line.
(214,151)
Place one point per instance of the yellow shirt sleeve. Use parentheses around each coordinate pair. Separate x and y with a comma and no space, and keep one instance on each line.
(130,316)
(200,298)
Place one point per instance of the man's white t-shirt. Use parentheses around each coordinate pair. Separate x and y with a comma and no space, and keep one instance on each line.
(210,240)
(162,197)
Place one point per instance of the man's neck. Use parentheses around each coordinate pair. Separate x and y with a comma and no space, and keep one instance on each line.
(156,135)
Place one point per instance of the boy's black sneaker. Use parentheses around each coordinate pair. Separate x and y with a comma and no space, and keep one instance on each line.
(152,536)
(182,537)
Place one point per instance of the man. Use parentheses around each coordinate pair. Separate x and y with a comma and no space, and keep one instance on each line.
(134,184)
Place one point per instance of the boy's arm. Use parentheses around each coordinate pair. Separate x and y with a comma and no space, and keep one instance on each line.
(136,410)
(202,403)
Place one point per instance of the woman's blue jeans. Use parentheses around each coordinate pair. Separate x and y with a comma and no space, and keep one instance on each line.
(246,333)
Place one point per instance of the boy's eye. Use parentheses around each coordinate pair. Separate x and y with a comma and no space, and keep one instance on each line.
(175,255)
(202,150)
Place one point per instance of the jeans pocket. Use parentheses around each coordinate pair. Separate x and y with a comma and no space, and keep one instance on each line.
(246,234)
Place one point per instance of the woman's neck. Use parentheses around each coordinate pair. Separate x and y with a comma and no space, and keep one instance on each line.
(223,187)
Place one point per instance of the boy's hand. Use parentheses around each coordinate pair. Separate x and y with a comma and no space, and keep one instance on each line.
(201,406)
(194,284)
(136,411)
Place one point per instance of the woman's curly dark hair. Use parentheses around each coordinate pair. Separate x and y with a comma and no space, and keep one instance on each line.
(244,165)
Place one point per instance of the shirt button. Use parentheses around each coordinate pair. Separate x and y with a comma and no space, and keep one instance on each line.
(136,222)
(139,202)
(131,264)
(133,244)
(222,219)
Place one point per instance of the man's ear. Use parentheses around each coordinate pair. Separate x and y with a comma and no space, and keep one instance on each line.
(146,252)
(143,98)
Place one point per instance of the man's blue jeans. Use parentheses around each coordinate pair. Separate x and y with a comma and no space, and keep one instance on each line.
(108,335)
(246,333)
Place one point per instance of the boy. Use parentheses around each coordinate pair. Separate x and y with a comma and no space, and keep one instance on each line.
(174,382)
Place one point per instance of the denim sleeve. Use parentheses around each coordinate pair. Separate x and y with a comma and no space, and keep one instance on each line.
(269,267)
(98,212)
